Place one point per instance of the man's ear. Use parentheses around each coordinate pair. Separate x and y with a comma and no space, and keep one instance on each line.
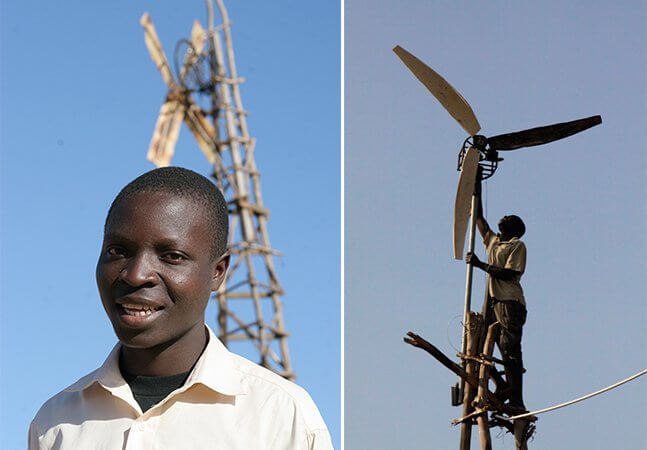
(219,271)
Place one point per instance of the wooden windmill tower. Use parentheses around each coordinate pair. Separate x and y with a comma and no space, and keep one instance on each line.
(205,94)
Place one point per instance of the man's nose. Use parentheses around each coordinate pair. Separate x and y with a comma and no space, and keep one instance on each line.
(140,270)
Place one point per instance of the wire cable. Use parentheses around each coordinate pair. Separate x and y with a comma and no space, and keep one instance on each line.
(449,324)
(561,405)
(486,201)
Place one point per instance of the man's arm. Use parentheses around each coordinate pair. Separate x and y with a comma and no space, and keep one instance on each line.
(500,273)
(481,223)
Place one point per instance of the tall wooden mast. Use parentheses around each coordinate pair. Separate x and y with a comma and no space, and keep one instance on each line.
(249,302)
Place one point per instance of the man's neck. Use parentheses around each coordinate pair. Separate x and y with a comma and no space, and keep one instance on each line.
(166,359)
(505,237)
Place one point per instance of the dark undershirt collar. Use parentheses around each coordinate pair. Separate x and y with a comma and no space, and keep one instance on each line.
(149,391)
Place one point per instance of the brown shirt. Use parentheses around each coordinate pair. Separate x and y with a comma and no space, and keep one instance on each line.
(508,255)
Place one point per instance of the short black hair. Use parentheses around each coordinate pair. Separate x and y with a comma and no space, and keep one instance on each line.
(517,227)
(189,184)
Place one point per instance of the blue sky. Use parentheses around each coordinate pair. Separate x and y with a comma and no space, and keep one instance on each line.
(79,99)
(584,200)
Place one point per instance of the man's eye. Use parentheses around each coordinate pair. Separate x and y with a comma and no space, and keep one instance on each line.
(174,256)
(116,251)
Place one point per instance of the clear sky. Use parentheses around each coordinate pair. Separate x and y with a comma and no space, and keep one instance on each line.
(520,65)
(79,97)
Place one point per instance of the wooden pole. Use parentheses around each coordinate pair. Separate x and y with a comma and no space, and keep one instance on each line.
(484,377)
(474,327)
(520,438)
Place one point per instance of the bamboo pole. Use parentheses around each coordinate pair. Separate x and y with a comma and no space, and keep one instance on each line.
(468,279)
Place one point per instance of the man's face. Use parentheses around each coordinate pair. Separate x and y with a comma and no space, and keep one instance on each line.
(504,225)
(156,270)
(510,226)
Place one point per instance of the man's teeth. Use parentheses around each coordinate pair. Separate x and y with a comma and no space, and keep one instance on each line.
(138,310)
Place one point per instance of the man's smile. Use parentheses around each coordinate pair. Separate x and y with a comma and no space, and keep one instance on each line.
(137,311)
(138,316)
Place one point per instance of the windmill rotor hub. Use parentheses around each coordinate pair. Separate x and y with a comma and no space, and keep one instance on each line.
(479,141)
(193,68)
(488,158)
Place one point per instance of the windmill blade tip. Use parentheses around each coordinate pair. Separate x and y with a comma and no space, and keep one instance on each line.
(597,119)
(593,120)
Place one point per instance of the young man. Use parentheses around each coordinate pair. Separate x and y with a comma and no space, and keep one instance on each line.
(170,383)
(506,264)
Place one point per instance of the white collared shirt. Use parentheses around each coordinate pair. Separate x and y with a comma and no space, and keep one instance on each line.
(227,402)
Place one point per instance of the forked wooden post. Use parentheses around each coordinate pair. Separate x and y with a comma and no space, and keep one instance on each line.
(485,400)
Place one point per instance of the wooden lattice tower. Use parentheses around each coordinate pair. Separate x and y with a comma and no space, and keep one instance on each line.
(249,302)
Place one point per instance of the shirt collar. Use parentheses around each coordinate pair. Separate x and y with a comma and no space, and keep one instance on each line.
(215,369)
(512,239)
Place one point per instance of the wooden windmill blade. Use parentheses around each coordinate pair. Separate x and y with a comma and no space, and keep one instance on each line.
(449,97)
(463,204)
(167,127)
(202,130)
(167,130)
(155,49)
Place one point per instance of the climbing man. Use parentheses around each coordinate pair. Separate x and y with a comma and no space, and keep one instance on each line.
(505,302)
